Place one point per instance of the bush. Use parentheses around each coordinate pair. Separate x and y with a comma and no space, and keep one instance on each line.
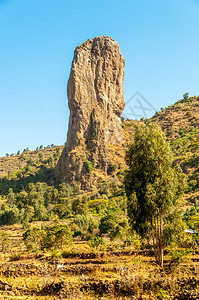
(9,215)
(118,233)
(15,256)
(33,238)
(88,165)
(4,240)
(55,254)
(107,223)
(178,256)
(96,242)
(92,225)
(132,239)
(80,206)
(68,253)
(82,221)
(77,233)
(57,236)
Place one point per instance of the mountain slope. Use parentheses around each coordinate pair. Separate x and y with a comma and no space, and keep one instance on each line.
(180,123)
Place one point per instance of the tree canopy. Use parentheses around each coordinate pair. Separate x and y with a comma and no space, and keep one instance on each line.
(153,185)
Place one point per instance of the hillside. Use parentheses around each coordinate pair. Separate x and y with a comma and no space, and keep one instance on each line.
(179,121)
(16,171)
(57,241)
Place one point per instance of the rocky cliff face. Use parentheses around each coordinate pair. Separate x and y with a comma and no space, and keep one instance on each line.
(95,99)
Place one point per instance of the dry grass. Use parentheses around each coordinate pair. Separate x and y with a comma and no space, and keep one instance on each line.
(8,165)
(89,274)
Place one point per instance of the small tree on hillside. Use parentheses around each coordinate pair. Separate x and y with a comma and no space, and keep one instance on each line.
(33,238)
(5,240)
(186,96)
(57,236)
(153,186)
(108,223)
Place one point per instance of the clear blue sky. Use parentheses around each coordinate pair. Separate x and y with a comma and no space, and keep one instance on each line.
(159,40)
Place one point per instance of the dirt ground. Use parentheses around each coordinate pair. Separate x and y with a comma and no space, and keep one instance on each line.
(97,275)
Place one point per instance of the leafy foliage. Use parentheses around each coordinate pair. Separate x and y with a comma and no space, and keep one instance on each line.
(107,223)
(52,237)
(57,236)
(33,238)
(153,185)
(5,240)
(96,242)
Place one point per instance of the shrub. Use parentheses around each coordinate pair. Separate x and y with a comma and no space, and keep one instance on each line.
(178,256)
(96,242)
(80,206)
(57,236)
(82,221)
(55,254)
(77,233)
(68,253)
(4,240)
(88,165)
(92,225)
(33,238)
(15,256)
(107,223)
(132,239)
(9,215)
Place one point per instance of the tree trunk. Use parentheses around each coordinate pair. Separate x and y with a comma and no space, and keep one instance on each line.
(161,239)
(158,241)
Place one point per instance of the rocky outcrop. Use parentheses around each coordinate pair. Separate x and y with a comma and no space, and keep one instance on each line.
(95,99)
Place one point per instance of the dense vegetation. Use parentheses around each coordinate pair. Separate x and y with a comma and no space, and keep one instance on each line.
(17,171)
(30,193)
(181,126)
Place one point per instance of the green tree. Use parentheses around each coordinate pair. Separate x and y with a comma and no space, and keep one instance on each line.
(9,215)
(41,156)
(62,210)
(5,240)
(88,165)
(11,197)
(108,223)
(57,236)
(76,189)
(33,238)
(63,237)
(103,187)
(65,190)
(29,213)
(120,231)
(186,96)
(82,221)
(92,225)
(96,242)
(153,186)
(80,205)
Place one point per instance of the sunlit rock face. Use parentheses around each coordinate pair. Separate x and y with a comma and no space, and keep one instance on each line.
(96,101)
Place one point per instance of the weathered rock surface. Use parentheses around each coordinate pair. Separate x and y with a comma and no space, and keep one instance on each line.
(95,99)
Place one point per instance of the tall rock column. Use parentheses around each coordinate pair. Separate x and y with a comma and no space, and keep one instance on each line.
(96,101)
